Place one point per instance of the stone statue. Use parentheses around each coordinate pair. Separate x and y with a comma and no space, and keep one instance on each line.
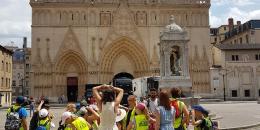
(175,61)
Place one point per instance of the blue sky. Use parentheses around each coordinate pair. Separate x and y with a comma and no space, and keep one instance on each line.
(15,16)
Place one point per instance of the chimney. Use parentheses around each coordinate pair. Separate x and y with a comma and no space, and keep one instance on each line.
(230,23)
(24,42)
(238,23)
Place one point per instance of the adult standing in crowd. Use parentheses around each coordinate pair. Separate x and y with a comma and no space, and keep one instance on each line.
(131,110)
(108,104)
(152,102)
(182,117)
(31,106)
(165,113)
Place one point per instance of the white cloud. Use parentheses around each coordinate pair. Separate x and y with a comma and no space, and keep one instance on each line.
(239,14)
(215,21)
(15,20)
(233,2)
(236,13)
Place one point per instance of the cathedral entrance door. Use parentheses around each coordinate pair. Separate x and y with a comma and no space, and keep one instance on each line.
(72,89)
(124,80)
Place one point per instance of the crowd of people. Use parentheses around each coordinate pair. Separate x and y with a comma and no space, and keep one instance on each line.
(161,111)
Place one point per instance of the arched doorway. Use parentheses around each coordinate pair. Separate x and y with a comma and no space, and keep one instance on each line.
(123,55)
(71,75)
(124,80)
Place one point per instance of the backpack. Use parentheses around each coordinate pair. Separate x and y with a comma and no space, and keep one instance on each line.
(13,120)
(42,126)
(34,121)
(176,105)
(61,127)
(206,124)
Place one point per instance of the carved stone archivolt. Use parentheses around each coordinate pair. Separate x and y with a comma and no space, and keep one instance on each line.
(128,47)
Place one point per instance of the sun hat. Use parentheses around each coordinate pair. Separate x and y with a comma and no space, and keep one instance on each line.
(65,116)
(43,113)
(140,106)
(200,108)
(121,115)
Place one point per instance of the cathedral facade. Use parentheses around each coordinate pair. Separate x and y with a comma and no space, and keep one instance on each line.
(79,42)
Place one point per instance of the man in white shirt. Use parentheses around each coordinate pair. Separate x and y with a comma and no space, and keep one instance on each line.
(152,102)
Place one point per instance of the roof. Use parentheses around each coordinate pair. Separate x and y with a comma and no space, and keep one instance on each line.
(18,55)
(238,46)
(6,50)
(252,24)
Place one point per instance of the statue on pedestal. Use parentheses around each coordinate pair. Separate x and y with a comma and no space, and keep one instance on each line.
(175,61)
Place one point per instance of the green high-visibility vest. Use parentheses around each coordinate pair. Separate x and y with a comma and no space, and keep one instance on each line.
(45,123)
(208,125)
(141,122)
(80,124)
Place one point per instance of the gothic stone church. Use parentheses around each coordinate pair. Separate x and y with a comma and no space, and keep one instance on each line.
(79,42)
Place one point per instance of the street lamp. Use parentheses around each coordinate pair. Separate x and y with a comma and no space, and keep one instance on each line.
(224,85)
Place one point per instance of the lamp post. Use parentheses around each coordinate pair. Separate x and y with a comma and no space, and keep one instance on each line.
(224,87)
(22,87)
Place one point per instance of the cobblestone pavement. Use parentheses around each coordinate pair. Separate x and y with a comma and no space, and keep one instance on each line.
(233,114)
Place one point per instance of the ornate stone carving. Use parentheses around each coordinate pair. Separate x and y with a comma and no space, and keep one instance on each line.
(105,18)
(174,59)
(123,25)
(38,58)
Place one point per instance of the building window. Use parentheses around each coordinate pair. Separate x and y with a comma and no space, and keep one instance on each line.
(6,83)
(225,28)
(257,57)
(2,83)
(14,83)
(247,39)
(27,57)
(235,41)
(241,40)
(247,93)
(6,67)
(234,93)
(235,58)
(3,65)
(215,39)
(259,92)
(27,66)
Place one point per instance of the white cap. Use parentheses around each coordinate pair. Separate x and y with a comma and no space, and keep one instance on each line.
(120,115)
(65,116)
(43,113)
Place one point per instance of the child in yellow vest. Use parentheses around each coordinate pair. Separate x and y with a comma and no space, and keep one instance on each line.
(200,119)
(74,122)
(141,119)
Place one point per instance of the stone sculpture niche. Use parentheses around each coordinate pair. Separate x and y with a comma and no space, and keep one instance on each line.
(174,61)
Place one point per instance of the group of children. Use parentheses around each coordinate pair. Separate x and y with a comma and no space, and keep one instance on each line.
(108,114)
